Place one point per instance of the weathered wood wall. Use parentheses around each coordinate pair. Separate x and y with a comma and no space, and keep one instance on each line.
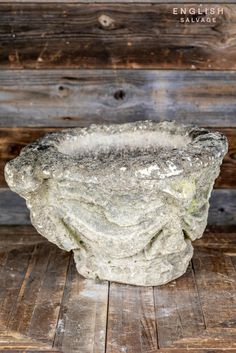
(73,64)
(114,36)
(62,98)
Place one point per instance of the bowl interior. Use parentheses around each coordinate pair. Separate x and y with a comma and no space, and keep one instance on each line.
(97,143)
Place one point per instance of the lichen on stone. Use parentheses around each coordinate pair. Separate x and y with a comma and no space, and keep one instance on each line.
(128,199)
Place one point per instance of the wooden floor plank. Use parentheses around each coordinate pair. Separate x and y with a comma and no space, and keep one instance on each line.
(44,318)
(215,278)
(178,311)
(131,319)
(187,318)
(22,314)
(210,341)
(168,350)
(82,321)
(19,342)
(196,350)
(28,350)
(11,279)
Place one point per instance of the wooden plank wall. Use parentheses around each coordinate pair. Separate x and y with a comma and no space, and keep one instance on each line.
(114,36)
(73,64)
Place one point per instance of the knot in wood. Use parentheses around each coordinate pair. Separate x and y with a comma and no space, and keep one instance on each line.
(106,21)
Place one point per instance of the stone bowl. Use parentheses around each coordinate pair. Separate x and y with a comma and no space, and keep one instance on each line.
(128,199)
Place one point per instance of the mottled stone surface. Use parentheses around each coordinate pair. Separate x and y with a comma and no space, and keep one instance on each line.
(127,199)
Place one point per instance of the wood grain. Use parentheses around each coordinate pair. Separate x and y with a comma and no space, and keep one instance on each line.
(168,350)
(82,322)
(12,140)
(215,278)
(113,36)
(49,306)
(126,1)
(195,313)
(223,240)
(12,276)
(19,236)
(10,350)
(45,316)
(22,313)
(178,312)
(131,319)
(199,350)
(35,313)
(64,98)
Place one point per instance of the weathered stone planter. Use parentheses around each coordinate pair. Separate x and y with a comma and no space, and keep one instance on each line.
(127,199)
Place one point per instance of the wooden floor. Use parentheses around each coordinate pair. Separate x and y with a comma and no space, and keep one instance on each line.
(46,305)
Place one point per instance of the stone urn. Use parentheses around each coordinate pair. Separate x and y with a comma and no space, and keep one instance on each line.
(128,199)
